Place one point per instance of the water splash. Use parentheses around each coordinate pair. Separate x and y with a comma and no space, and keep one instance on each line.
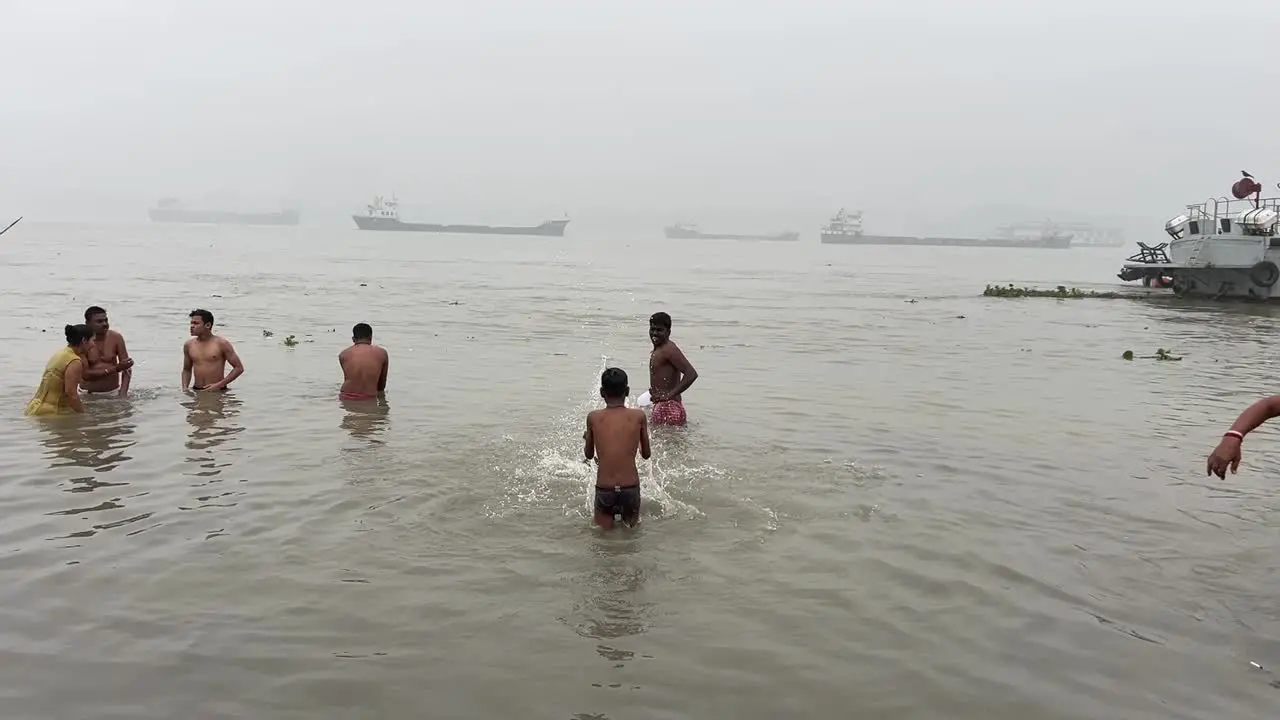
(553,473)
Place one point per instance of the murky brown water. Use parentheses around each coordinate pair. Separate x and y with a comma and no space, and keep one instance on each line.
(880,509)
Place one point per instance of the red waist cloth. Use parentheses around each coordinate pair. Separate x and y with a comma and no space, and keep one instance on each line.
(668,412)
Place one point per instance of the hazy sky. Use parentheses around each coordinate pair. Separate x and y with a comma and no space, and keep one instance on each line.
(509,110)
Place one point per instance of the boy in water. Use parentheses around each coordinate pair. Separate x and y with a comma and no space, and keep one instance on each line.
(613,435)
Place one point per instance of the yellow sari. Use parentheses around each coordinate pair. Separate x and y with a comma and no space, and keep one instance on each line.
(51,396)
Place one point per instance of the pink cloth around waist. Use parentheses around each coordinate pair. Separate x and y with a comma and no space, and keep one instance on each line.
(668,412)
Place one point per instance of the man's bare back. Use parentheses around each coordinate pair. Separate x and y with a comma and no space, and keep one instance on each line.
(364,371)
(617,432)
(613,436)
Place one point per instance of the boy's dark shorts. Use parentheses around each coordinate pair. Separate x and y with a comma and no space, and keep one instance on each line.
(624,501)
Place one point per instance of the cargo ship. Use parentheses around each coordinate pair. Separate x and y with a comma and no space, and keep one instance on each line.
(846,229)
(172,211)
(690,231)
(384,214)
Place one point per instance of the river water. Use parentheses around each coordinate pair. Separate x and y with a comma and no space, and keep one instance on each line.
(895,498)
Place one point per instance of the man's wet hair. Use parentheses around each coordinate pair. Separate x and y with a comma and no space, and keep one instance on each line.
(660,319)
(93,310)
(205,316)
(362,331)
(613,384)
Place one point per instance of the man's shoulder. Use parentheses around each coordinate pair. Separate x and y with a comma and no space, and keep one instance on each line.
(114,335)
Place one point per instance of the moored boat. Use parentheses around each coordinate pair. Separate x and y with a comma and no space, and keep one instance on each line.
(1222,247)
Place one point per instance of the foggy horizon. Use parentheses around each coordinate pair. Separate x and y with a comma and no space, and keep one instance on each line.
(714,112)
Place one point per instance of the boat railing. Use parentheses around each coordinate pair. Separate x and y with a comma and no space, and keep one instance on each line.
(1214,209)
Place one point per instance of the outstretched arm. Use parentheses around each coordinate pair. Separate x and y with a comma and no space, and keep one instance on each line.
(1227,454)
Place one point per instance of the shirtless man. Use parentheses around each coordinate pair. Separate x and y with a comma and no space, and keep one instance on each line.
(670,373)
(364,366)
(109,366)
(613,435)
(207,355)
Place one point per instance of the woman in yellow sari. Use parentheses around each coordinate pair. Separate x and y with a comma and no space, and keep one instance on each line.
(59,391)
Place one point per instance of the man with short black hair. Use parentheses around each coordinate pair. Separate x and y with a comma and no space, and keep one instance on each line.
(206,356)
(670,374)
(364,366)
(108,365)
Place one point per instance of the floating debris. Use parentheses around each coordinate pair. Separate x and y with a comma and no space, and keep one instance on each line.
(1062,291)
(267,333)
(290,341)
(1161,354)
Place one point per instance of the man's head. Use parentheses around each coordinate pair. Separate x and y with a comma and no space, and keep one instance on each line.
(659,328)
(362,332)
(96,318)
(613,384)
(201,322)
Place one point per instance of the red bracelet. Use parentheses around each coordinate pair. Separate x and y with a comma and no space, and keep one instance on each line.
(1235,434)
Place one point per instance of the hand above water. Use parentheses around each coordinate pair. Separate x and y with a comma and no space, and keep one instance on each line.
(1227,454)
(124,366)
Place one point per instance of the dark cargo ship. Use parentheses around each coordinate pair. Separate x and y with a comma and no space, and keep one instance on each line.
(383,214)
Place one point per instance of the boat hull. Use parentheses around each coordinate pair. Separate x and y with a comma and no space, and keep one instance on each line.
(1049,243)
(1215,266)
(219,217)
(550,228)
(675,233)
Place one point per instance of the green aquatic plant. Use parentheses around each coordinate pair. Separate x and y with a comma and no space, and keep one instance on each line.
(1161,354)
(290,341)
(1062,291)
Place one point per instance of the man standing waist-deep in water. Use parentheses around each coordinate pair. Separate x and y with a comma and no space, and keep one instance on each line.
(206,356)
(670,373)
(109,367)
(613,436)
(364,366)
